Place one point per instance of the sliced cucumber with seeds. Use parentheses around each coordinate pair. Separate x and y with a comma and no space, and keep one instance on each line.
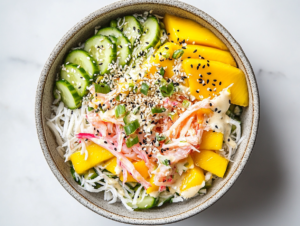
(123,44)
(77,77)
(150,36)
(90,174)
(103,50)
(86,61)
(163,200)
(68,94)
(113,23)
(131,28)
(147,203)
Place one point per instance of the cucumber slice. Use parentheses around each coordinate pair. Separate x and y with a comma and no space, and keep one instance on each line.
(163,200)
(113,23)
(83,59)
(68,94)
(131,28)
(150,36)
(77,180)
(123,44)
(77,77)
(90,174)
(147,203)
(103,50)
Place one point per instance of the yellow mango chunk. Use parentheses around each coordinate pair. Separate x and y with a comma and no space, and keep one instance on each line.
(211,140)
(141,168)
(160,60)
(201,113)
(211,162)
(208,53)
(110,165)
(211,77)
(192,178)
(153,187)
(190,163)
(184,29)
(96,155)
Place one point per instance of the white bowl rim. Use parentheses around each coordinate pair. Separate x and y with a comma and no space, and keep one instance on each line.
(42,138)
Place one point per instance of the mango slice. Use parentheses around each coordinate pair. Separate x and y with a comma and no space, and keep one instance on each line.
(208,78)
(180,29)
(96,155)
(208,53)
(153,187)
(160,60)
(201,113)
(192,178)
(211,140)
(110,165)
(141,168)
(211,162)
(191,51)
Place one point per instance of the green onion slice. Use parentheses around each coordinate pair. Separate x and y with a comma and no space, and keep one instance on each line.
(118,98)
(167,90)
(126,119)
(102,88)
(120,110)
(177,53)
(160,137)
(132,141)
(162,71)
(90,108)
(136,110)
(186,103)
(144,89)
(131,127)
(157,110)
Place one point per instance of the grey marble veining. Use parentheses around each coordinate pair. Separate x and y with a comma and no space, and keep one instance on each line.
(266,193)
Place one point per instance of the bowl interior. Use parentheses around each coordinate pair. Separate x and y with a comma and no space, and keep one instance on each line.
(167,213)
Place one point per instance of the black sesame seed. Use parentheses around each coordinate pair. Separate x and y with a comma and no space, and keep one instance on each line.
(228,139)
(207,81)
(197,91)
(210,104)
(115,149)
(183,47)
(216,109)
(215,80)
(219,111)
(213,84)
(191,66)
(220,83)
(195,50)
(209,73)
(203,66)
(105,142)
(229,101)
(216,126)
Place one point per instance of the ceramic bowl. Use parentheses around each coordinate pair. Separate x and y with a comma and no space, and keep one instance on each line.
(44,97)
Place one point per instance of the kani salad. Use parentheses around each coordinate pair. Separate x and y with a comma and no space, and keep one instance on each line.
(148,110)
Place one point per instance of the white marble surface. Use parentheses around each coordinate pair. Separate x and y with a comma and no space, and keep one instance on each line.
(267,192)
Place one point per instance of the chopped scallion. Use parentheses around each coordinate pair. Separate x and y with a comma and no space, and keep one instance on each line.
(186,103)
(177,53)
(157,110)
(132,141)
(131,127)
(144,89)
(120,110)
(102,88)
(167,90)
(160,137)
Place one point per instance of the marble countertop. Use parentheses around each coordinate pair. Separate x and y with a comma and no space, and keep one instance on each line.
(267,193)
